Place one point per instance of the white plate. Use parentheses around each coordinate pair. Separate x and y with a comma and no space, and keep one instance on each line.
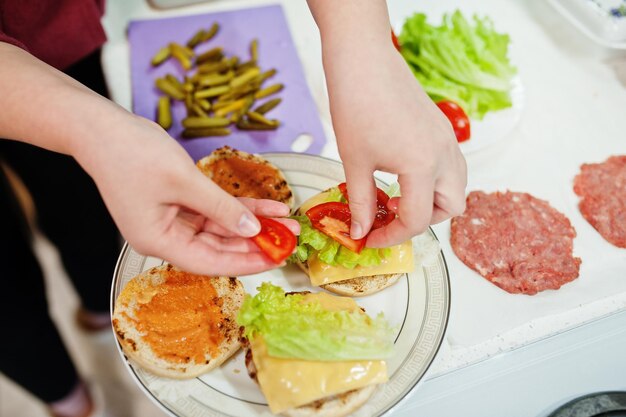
(496,125)
(418,305)
(594,19)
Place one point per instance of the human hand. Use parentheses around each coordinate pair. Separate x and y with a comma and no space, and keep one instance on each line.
(165,207)
(385,121)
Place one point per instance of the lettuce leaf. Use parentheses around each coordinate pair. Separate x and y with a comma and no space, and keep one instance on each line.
(460,61)
(293,329)
(330,251)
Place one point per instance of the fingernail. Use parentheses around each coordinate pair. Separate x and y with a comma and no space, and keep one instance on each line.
(356,230)
(248,226)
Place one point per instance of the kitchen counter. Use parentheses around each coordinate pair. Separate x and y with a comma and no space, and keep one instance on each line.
(503,354)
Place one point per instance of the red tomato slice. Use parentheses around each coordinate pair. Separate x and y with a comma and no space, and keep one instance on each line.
(275,240)
(333,219)
(394,39)
(459,120)
(384,216)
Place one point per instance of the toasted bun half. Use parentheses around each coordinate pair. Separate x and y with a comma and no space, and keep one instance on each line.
(357,287)
(141,289)
(243,179)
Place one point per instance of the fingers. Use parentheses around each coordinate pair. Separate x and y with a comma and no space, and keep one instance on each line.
(447,204)
(265,208)
(202,258)
(214,228)
(211,201)
(447,201)
(414,210)
(362,192)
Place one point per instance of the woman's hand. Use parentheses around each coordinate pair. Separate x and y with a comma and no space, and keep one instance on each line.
(165,207)
(385,121)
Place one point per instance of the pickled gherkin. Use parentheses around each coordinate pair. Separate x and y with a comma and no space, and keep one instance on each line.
(164,113)
(217,90)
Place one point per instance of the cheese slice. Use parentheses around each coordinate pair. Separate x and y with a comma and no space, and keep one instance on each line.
(400,260)
(290,383)
(316,200)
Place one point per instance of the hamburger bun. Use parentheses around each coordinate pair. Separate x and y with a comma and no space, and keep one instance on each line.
(339,405)
(246,175)
(161,355)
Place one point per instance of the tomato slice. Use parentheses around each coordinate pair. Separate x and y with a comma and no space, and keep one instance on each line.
(275,240)
(333,219)
(459,120)
(384,216)
(395,41)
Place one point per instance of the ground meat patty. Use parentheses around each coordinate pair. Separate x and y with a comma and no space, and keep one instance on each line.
(602,188)
(516,241)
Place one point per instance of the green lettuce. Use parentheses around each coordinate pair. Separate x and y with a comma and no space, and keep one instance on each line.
(330,251)
(460,61)
(293,329)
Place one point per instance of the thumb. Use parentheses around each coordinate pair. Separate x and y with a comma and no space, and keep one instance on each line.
(205,197)
(362,193)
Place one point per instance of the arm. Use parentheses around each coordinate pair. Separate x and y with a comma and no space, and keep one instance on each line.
(384,120)
(160,201)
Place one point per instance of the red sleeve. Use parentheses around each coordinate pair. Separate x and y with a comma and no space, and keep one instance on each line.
(12,41)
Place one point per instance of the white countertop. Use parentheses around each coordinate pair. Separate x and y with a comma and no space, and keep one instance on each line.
(503,354)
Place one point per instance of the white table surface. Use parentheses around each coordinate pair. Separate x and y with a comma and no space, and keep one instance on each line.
(575,111)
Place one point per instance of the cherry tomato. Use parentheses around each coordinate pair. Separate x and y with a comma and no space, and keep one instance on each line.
(394,39)
(275,240)
(333,219)
(458,118)
(384,216)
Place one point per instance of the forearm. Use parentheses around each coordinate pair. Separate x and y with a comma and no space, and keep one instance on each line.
(44,107)
(355,23)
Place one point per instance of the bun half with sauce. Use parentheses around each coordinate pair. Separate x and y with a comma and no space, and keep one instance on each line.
(246,175)
(313,354)
(176,324)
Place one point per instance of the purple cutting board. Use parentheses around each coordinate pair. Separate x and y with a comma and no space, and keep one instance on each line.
(297,112)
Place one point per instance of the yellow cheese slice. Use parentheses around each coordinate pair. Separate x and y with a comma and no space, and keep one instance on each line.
(400,260)
(316,200)
(331,302)
(290,383)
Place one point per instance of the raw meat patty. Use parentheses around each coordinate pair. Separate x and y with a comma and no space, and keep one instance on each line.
(602,188)
(516,241)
